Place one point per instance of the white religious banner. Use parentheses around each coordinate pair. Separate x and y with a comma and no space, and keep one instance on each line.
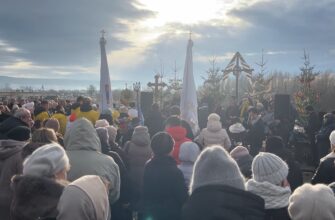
(188,101)
(106,98)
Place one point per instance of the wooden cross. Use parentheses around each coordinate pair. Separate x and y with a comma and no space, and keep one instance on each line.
(156,86)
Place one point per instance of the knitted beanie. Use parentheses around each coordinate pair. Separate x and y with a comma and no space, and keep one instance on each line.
(162,143)
(53,124)
(20,133)
(269,167)
(312,202)
(332,138)
(112,132)
(46,161)
(101,123)
(239,152)
(215,166)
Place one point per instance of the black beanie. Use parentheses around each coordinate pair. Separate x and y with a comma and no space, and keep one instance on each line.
(20,133)
(274,144)
(162,143)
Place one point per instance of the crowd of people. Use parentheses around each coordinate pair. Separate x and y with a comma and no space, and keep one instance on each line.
(67,160)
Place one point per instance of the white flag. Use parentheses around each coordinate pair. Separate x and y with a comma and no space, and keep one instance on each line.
(188,101)
(106,98)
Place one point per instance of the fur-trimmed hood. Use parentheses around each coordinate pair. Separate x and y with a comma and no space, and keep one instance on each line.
(35,197)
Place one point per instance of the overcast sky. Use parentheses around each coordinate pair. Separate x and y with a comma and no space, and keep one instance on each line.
(60,39)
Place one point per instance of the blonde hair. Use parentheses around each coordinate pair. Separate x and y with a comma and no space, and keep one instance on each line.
(44,135)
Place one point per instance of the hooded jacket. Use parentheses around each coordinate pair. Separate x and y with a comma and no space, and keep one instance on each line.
(189,151)
(178,134)
(35,197)
(84,199)
(214,134)
(62,119)
(138,153)
(40,114)
(84,151)
(10,164)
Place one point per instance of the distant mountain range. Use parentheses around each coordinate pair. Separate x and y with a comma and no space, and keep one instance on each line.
(57,84)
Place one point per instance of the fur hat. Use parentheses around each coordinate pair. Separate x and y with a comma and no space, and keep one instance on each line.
(215,166)
(46,161)
(101,123)
(140,129)
(162,143)
(269,167)
(53,124)
(20,133)
(214,117)
(312,202)
(332,138)
(239,152)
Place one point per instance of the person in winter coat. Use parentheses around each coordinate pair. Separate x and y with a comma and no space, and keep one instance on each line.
(173,127)
(41,113)
(189,152)
(325,173)
(53,124)
(275,145)
(164,190)
(119,210)
(322,137)
(112,132)
(83,147)
(218,192)
(243,159)
(86,111)
(36,193)
(22,117)
(312,202)
(270,182)
(86,199)
(214,134)
(313,126)
(256,132)
(75,107)
(155,120)
(237,132)
(62,119)
(10,164)
(138,152)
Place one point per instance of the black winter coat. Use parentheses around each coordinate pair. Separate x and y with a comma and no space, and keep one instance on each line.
(255,136)
(325,172)
(9,124)
(154,122)
(164,190)
(277,214)
(223,202)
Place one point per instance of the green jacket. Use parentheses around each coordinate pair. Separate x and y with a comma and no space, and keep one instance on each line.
(83,148)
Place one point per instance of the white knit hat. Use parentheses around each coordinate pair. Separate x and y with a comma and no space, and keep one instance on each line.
(46,161)
(312,202)
(215,166)
(269,167)
(29,106)
(101,123)
(332,138)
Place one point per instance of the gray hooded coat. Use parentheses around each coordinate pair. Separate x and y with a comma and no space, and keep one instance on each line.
(83,148)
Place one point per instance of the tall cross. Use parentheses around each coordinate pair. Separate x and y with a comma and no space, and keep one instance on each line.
(156,86)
